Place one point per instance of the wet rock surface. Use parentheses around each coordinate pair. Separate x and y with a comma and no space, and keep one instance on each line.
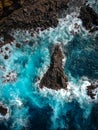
(3,110)
(55,78)
(7,38)
(91,89)
(89,18)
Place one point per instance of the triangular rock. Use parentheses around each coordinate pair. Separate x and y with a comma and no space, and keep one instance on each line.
(55,78)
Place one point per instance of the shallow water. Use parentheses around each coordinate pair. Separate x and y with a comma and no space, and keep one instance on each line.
(34,109)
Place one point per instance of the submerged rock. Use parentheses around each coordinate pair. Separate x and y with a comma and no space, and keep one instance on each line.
(6,57)
(55,78)
(89,18)
(18,45)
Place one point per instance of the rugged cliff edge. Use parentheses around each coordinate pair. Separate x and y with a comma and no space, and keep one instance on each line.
(55,78)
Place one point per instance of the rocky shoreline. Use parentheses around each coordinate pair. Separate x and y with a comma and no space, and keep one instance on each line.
(29,14)
(25,14)
(33,14)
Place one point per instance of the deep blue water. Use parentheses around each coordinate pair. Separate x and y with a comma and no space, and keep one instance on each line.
(83,57)
(31,108)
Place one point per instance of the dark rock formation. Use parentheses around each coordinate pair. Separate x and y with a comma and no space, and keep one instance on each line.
(6,57)
(7,39)
(90,90)
(1,44)
(33,13)
(8,6)
(18,45)
(55,78)
(89,18)
(3,110)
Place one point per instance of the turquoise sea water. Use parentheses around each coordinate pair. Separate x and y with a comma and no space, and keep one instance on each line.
(31,108)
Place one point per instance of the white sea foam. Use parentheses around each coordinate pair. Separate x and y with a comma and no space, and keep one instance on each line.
(73,91)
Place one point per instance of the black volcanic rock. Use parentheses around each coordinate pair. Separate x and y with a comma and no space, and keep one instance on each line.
(33,13)
(18,45)
(3,110)
(89,18)
(90,90)
(55,78)
(7,39)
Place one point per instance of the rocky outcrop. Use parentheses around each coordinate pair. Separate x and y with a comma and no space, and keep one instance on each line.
(7,39)
(91,89)
(89,18)
(55,78)
(33,13)
(3,110)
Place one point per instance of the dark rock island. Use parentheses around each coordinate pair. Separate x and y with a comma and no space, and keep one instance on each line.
(89,18)
(3,110)
(91,89)
(55,78)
